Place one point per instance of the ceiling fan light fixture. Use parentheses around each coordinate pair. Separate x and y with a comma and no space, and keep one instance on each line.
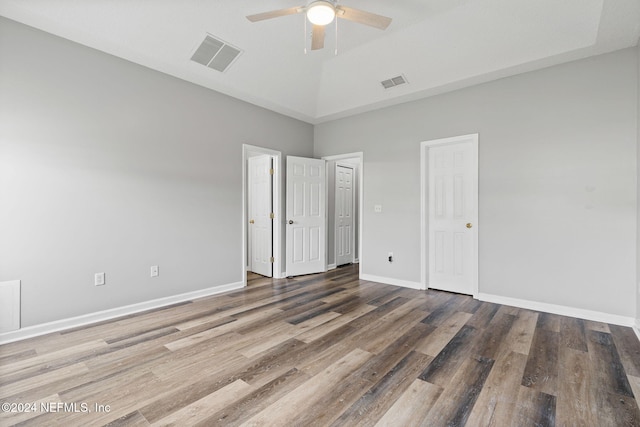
(321,12)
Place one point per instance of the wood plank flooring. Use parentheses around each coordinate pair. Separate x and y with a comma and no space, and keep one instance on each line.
(326,350)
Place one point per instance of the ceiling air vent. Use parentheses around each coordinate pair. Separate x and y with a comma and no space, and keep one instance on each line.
(215,53)
(393,82)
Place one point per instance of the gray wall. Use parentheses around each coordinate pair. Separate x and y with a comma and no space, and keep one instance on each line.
(107,166)
(557,158)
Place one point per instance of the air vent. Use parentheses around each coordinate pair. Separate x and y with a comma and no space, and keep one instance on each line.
(215,53)
(393,82)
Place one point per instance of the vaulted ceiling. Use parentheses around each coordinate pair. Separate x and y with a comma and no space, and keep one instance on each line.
(437,45)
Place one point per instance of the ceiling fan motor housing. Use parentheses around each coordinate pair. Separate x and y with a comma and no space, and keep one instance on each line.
(321,12)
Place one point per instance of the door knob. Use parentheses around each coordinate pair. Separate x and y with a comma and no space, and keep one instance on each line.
(251,222)
(290,221)
(469,225)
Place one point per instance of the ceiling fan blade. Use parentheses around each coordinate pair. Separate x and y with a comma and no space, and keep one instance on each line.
(275,14)
(362,17)
(317,37)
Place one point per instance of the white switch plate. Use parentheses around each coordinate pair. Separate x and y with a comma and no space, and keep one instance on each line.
(377,208)
(99,279)
(154,271)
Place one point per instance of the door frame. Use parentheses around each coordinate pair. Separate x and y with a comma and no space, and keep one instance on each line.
(278,264)
(424,205)
(359,155)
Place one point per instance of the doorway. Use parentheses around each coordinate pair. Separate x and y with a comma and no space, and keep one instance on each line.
(262,238)
(278,203)
(355,162)
(449,214)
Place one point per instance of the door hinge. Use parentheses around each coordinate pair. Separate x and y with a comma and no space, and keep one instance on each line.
(271,171)
(272,215)
(272,260)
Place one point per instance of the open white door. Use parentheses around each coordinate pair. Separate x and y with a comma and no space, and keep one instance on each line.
(306,216)
(344,201)
(260,215)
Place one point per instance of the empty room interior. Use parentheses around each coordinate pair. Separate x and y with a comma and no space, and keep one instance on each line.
(332,213)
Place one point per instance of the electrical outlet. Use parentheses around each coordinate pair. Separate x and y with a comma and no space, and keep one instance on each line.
(390,256)
(377,208)
(99,279)
(154,271)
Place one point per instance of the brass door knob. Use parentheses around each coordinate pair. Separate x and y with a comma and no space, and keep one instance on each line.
(290,221)
(469,225)
(252,222)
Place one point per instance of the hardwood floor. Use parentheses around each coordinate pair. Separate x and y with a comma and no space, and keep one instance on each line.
(327,350)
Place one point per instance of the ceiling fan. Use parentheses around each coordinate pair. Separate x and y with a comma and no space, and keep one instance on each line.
(323,12)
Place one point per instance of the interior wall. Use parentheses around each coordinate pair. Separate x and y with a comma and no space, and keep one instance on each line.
(107,166)
(557,165)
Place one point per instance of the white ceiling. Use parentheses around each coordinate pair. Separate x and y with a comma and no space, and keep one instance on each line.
(438,45)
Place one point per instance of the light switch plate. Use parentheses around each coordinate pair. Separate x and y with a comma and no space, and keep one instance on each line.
(99,279)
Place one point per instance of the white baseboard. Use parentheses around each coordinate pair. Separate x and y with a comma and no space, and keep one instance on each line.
(73,322)
(331,267)
(392,281)
(562,310)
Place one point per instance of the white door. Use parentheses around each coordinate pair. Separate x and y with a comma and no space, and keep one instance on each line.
(260,215)
(305,219)
(453,215)
(344,214)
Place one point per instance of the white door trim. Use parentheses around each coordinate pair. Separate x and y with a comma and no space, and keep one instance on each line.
(359,155)
(278,265)
(424,212)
